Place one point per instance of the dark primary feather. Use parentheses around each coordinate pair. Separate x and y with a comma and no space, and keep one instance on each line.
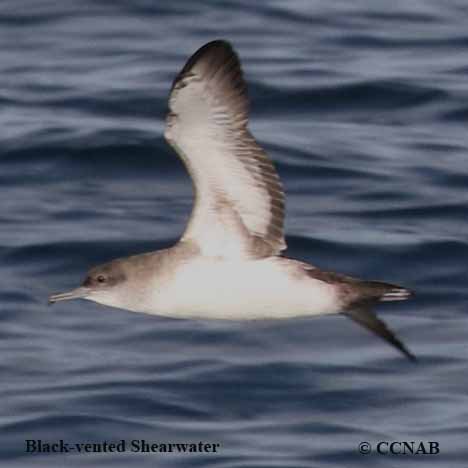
(364,316)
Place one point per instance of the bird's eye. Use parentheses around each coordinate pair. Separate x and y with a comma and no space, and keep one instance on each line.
(101,279)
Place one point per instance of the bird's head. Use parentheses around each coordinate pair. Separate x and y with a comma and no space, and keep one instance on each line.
(101,284)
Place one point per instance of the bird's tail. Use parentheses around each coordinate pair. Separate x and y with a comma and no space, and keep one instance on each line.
(385,291)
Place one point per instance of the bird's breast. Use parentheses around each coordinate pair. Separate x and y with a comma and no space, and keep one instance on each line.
(239,290)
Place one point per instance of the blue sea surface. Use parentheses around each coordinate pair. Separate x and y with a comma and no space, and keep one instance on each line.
(362,105)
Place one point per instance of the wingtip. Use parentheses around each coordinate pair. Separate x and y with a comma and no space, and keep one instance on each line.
(366,317)
(209,47)
(413,358)
(217,43)
(218,47)
(409,355)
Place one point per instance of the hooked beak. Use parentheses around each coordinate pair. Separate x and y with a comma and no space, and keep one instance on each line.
(77,293)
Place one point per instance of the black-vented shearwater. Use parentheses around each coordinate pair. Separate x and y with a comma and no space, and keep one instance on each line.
(228,262)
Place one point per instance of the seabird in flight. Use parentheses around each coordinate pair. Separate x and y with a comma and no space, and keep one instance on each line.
(228,262)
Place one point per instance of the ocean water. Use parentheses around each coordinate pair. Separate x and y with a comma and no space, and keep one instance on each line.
(362,105)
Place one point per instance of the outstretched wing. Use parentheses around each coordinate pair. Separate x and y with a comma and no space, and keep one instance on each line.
(239,201)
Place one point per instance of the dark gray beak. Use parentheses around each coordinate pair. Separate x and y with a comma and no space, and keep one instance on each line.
(78,293)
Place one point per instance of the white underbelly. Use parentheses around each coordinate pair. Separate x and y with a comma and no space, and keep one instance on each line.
(236,290)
